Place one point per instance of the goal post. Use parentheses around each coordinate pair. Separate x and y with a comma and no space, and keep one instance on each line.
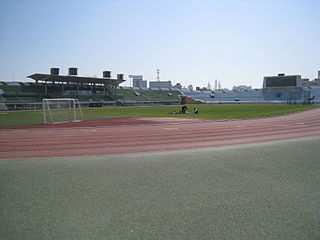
(60,110)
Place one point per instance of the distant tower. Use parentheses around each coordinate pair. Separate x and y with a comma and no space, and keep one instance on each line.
(209,86)
(215,84)
(158,75)
(219,85)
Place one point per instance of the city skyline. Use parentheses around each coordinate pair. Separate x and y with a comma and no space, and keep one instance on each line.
(191,42)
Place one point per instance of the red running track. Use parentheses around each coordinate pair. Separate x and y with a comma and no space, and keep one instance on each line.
(153,134)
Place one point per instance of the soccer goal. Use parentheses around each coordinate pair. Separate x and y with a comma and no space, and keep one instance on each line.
(61,110)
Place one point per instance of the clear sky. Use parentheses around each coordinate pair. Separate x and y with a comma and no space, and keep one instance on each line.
(191,42)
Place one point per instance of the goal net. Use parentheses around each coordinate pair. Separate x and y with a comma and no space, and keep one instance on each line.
(61,110)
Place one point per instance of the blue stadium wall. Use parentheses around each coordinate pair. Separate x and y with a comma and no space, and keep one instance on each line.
(296,95)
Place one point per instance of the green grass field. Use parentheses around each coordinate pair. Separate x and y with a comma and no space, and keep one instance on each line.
(234,111)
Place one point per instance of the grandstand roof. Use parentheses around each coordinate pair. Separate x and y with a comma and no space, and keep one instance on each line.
(74,79)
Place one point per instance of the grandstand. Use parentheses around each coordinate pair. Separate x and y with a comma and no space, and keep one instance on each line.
(148,96)
(303,95)
(225,96)
(315,92)
(90,91)
(28,95)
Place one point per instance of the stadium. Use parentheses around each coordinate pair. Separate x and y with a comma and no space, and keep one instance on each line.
(245,167)
(96,144)
(105,91)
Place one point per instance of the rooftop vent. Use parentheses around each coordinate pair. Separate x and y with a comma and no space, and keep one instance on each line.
(120,76)
(73,71)
(106,74)
(54,71)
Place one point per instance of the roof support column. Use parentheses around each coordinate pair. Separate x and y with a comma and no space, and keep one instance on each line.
(45,89)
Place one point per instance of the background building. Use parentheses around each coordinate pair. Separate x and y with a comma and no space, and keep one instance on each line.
(137,81)
(177,86)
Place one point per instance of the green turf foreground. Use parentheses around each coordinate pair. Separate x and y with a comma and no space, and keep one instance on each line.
(255,191)
(234,111)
